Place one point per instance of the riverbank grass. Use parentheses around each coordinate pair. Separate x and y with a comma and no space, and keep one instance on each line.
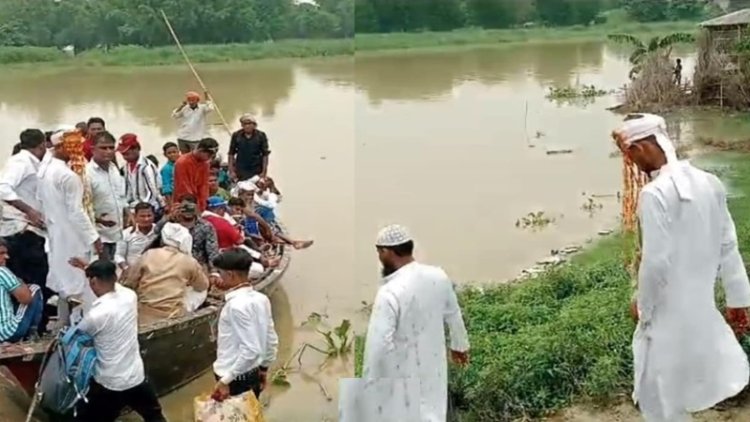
(564,337)
(488,37)
(362,43)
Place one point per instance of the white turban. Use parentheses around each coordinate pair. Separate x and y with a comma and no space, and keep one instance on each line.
(177,236)
(392,235)
(636,130)
(57,136)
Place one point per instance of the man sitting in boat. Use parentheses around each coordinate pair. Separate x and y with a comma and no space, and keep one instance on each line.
(168,280)
(228,234)
(246,191)
(205,244)
(21,304)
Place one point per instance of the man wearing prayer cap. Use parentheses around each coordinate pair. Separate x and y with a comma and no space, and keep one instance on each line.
(191,120)
(248,151)
(406,337)
(686,356)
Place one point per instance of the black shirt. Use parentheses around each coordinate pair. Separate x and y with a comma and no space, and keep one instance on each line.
(248,152)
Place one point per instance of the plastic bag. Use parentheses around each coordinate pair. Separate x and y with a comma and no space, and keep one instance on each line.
(242,408)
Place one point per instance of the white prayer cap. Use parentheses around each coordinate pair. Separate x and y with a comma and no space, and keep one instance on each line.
(177,236)
(57,136)
(392,235)
(256,270)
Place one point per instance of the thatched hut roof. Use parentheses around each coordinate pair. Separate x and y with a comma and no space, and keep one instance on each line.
(739,18)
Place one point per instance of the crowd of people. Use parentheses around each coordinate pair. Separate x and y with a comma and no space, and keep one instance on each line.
(90,243)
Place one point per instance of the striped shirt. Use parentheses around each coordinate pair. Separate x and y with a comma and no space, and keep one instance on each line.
(142,184)
(8,318)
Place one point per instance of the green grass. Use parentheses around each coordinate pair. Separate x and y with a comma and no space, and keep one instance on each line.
(564,337)
(143,56)
(475,37)
(364,43)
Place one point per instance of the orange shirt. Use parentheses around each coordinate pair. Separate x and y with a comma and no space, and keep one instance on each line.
(191,178)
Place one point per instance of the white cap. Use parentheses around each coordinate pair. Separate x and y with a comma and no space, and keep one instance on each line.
(393,235)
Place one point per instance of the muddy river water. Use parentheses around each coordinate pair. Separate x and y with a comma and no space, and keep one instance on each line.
(452,144)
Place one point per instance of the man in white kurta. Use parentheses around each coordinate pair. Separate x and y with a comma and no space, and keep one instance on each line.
(71,233)
(406,335)
(686,357)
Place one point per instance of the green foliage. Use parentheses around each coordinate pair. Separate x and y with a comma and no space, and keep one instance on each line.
(654,45)
(87,24)
(657,10)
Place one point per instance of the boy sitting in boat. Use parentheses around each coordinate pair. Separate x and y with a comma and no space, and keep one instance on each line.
(169,282)
(21,304)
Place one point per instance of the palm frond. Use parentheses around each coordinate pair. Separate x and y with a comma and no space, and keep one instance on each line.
(637,55)
(626,39)
(677,37)
(653,44)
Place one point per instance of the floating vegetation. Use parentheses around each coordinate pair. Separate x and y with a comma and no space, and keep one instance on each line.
(535,220)
(591,205)
(366,308)
(574,93)
(720,171)
(338,343)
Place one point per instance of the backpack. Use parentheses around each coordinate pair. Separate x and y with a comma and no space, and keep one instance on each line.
(66,372)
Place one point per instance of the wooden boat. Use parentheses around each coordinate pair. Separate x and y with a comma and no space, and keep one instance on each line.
(175,352)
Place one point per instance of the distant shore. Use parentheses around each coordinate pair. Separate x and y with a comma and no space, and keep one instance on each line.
(361,43)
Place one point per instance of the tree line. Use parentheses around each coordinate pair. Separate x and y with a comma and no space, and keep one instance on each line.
(439,15)
(87,23)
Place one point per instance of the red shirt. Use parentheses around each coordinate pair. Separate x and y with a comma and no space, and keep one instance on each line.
(88,148)
(227,235)
(191,178)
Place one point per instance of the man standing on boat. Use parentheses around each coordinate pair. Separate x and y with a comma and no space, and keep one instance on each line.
(686,357)
(248,151)
(107,192)
(94,126)
(406,335)
(22,224)
(71,232)
(247,343)
(141,175)
(191,173)
(191,118)
(119,378)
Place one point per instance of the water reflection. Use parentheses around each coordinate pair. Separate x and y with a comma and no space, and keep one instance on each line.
(432,75)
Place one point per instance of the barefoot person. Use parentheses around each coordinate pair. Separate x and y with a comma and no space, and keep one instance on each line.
(686,357)
(406,335)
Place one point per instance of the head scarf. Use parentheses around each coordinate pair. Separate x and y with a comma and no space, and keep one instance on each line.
(177,236)
(57,136)
(392,235)
(192,95)
(647,125)
(245,185)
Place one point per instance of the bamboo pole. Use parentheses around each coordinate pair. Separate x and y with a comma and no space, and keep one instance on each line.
(195,72)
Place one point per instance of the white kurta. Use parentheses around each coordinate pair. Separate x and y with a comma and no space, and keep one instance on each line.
(406,338)
(70,232)
(686,357)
